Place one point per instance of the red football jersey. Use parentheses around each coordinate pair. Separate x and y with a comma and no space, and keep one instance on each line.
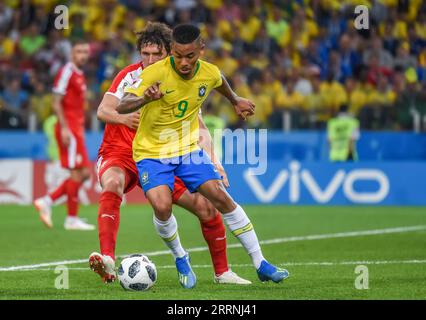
(71,83)
(118,138)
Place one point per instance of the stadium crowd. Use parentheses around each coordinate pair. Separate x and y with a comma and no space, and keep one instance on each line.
(299,61)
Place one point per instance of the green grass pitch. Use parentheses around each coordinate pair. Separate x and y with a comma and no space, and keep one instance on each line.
(321,267)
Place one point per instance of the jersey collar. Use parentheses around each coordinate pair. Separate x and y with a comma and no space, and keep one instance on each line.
(76,69)
(197,67)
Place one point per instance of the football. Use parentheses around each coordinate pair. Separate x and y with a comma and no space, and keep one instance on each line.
(137,273)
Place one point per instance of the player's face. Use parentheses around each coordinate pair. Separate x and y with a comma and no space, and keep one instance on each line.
(80,54)
(186,57)
(152,53)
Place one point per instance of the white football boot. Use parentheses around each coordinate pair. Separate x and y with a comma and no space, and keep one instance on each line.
(75,223)
(104,266)
(45,211)
(230,277)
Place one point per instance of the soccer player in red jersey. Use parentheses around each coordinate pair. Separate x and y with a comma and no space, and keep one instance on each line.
(118,173)
(69,100)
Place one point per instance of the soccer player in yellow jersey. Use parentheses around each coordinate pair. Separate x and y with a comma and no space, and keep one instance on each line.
(166,144)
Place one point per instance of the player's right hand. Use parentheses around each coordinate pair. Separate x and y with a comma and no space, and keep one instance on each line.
(244,108)
(131,120)
(65,136)
(153,92)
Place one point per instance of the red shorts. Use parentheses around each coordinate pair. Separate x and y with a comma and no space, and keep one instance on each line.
(132,177)
(73,156)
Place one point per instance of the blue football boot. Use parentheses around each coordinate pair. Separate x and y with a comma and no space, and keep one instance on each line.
(187,277)
(268,272)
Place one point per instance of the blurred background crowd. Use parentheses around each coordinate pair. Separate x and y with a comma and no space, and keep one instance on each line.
(299,61)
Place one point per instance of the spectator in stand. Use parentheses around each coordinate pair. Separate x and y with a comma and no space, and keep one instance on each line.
(251,39)
(390,43)
(15,100)
(334,95)
(225,61)
(377,112)
(277,27)
(376,49)
(315,103)
(403,57)
(271,85)
(375,70)
(291,102)
(32,41)
(357,97)
(229,11)
(41,102)
(349,60)
(7,48)
(263,102)
(6,16)
(410,105)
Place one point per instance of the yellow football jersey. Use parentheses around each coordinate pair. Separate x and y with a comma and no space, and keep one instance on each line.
(168,127)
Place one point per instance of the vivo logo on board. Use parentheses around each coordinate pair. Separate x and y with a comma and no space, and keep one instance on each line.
(295,176)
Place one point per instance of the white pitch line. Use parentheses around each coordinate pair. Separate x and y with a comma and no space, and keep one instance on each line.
(237,245)
(283,264)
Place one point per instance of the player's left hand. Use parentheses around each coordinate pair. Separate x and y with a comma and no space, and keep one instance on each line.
(244,108)
(222,172)
(153,92)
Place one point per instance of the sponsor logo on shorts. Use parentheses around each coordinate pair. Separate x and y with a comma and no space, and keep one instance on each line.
(144,177)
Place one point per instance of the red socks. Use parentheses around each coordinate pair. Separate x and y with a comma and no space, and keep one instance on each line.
(72,200)
(108,222)
(60,191)
(70,188)
(215,234)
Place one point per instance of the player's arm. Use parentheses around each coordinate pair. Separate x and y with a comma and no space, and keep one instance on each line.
(243,107)
(132,102)
(206,143)
(57,108)
(107,113)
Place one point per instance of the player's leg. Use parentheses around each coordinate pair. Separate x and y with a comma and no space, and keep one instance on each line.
(113,180)
(200,175)
(78,162)
(241,227)
(72,221)
(214,233)
(68,156)
(157,181)
(44,204)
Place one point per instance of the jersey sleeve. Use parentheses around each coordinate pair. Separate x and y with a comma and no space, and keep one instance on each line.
(62,80)
(119,84)
(218,76)
(147,78)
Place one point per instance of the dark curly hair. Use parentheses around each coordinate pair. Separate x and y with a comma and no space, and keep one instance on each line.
(155,33)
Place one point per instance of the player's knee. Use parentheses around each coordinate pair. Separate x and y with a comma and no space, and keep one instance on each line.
(162,208)
(114,184)
(205,210)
